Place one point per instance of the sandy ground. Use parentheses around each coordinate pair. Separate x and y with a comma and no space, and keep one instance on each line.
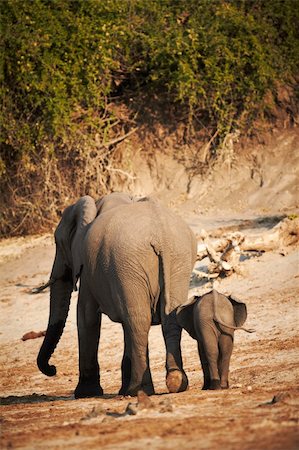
(258,412)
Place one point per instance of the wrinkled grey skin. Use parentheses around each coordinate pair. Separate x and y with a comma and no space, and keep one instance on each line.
(134,260)
(211,320)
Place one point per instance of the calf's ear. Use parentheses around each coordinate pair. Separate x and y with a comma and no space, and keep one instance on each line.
(240,310)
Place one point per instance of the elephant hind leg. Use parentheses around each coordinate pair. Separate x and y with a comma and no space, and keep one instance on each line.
(176,378)
(209,337)
(204,365)
(226,348)
(126,364)
(125,374)
(126,369)
(136,361)
(147,381)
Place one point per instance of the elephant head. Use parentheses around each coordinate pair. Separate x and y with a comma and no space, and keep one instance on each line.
(113,200)
(69,236)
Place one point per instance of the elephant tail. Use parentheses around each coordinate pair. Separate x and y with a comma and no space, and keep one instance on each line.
(166,279)
(248,330)
(164,273)
(216,317)
(41,288)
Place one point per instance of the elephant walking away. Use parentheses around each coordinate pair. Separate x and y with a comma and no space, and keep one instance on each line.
(134,260)
(211,320)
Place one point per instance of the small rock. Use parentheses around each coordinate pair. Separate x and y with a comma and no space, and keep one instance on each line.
(165,406)
(281,397)
(131,409)
(107,419)
(143,400)
(287,398)
(95,412)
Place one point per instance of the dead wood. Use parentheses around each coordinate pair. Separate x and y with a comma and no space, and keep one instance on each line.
(33,335)
(224,253)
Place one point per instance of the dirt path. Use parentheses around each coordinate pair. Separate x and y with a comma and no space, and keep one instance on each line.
(259,411)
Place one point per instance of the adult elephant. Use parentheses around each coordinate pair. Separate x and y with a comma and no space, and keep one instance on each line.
(134,260)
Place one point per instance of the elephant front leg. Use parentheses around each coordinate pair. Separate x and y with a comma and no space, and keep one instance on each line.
(176,378)
(89,321)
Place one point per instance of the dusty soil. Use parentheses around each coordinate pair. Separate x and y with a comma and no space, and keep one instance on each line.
(259,411)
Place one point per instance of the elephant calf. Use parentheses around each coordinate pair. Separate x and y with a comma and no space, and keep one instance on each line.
(211,320)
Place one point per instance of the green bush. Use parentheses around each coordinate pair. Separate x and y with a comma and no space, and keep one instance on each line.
(63,62)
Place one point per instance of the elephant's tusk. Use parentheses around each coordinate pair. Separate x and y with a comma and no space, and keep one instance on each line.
(42,287)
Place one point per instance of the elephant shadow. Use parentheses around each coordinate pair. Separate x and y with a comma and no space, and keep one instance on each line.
(42,398)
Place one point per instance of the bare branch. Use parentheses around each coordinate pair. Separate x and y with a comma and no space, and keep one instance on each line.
(111,169)
(119,138)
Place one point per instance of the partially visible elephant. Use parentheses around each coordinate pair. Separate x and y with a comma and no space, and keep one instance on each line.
(134,260)
(211,320)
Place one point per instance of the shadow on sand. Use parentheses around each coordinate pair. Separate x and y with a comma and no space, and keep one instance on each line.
(42,398)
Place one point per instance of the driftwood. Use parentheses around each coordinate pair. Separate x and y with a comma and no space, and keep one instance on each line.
(33,335)
(224,253)
(285,233)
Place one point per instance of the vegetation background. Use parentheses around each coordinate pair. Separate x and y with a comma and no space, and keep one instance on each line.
(80,76)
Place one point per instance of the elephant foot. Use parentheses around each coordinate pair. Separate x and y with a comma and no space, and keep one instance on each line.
(122,392)
(124,388)
(224,385)
(176,381)
(206,385)
(148,389)
(215,385)
(86,390)
(133,391)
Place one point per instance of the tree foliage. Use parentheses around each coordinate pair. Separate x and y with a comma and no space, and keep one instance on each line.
(63,61)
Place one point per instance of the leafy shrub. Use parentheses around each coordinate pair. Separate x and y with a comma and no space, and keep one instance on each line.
(63,63)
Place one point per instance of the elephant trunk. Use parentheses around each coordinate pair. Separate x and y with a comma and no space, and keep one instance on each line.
(60,295)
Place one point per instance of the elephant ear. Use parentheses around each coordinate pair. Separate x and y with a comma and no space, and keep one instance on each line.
(85,212)
(185,316)
(69,236)
(240,310)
